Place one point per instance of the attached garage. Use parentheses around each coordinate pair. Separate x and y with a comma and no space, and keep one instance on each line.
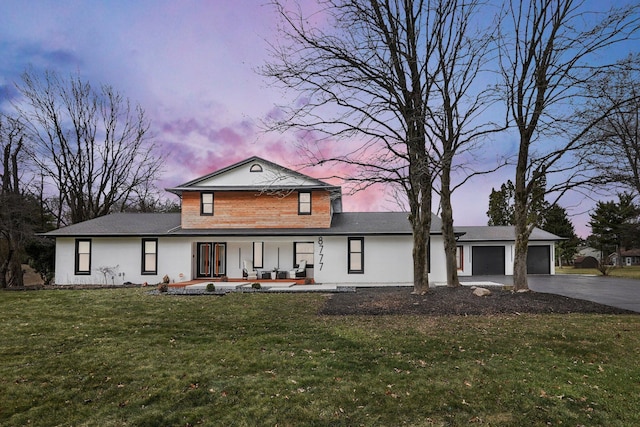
(487,260)
(485,251)
(539,260)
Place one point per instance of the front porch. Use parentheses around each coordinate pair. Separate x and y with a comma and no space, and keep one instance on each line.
(269,260)
(236,282)
(197,287)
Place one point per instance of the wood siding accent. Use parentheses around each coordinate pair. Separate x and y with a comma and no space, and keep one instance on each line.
(247,209)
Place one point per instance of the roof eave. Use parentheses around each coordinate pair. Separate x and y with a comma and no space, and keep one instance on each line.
(261,188)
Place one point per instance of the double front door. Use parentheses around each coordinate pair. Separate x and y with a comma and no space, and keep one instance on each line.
(211,259)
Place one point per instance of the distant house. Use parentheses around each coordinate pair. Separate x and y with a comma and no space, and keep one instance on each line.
(254,217)
(629,257)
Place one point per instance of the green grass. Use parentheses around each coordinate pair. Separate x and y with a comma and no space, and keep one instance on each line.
(123,357)
(630,272)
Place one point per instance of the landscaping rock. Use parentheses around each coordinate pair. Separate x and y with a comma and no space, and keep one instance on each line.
(481,292)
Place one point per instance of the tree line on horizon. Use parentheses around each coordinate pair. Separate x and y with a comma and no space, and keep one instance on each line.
(70,152)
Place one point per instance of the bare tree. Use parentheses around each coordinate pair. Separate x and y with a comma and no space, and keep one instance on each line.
(549,51)
(616,139)
(17,209)
(461,96)
(395,79)
(92,145)
(364,77)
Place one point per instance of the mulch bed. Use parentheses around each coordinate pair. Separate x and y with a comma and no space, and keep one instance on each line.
(444,301)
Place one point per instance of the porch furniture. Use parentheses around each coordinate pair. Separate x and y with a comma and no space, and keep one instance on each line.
(266,275)
(248,271)
(300,271)
(282,274)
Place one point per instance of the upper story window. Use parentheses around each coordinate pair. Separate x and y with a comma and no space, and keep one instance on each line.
(304,203)
(206,203)
(255,168)
(83,256)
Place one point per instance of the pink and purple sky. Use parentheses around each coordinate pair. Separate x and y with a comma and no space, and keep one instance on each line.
(191,65)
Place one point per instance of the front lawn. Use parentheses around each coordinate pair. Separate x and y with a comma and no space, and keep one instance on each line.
(630,272)
(123,357)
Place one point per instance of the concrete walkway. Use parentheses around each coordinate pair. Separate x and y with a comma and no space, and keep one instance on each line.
(612,291)
(265,286)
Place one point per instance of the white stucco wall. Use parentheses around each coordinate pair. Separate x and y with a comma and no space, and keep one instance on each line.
(124,256)
(387,259)
(438,273)
(176,258)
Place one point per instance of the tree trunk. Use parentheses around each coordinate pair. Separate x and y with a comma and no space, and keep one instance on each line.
(522,232)
(448,235)
(4,267)
(11,274)
(420,263)
(420,200)
(521,220)
(559,257)
(16,275)
(520,262)
(420,220)
(450,249)
(619,253)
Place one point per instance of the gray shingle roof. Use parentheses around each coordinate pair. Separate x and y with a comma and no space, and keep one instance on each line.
(377,223)
(122,224)
(344,223)
(136,224)
(499,233)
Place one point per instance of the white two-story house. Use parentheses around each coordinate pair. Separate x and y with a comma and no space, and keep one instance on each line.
(254,217)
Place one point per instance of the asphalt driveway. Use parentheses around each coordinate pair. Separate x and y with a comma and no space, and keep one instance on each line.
(613,291)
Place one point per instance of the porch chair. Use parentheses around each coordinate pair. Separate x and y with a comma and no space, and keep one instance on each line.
(300,271)
(248,272)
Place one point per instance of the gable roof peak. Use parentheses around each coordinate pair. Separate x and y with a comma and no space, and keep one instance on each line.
(254,173)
